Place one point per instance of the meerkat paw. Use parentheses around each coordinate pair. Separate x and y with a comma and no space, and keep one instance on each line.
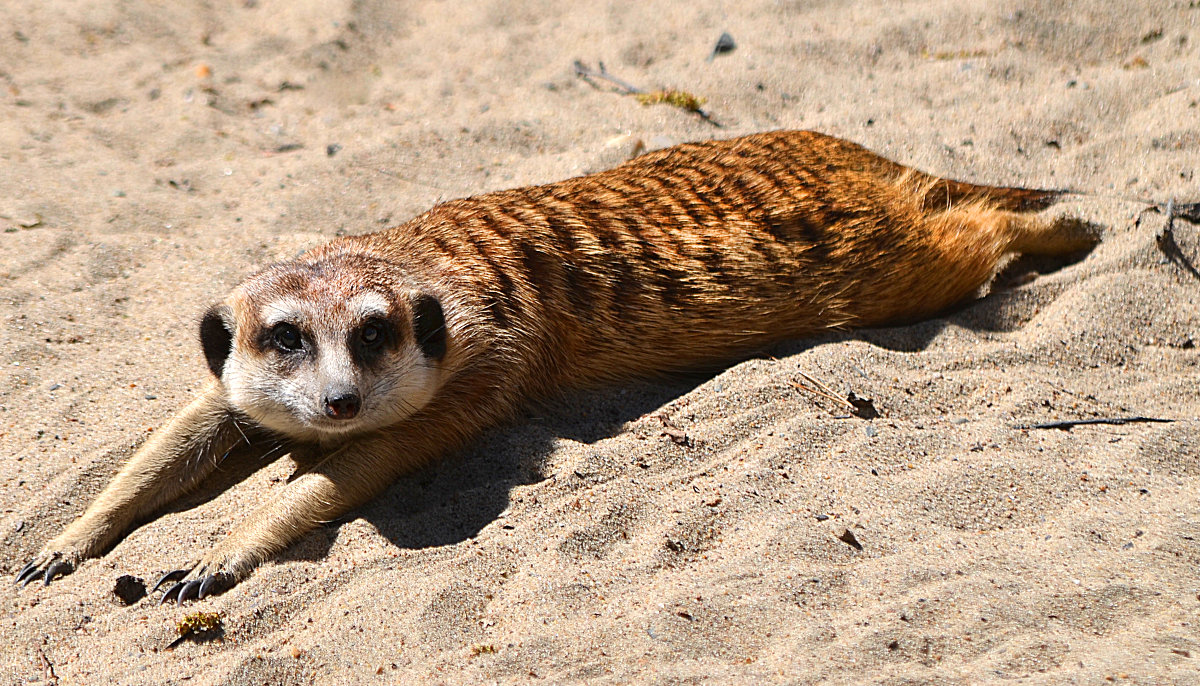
(212,575)
(48,565)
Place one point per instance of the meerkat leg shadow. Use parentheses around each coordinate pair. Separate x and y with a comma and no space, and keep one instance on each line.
(346,478)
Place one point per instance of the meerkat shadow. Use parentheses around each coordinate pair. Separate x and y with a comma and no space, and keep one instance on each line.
(236,466)
(455,498)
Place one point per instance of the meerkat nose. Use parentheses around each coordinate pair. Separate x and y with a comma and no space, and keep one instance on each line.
(342,403)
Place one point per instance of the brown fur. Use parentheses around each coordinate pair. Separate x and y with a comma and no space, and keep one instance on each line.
(680,258)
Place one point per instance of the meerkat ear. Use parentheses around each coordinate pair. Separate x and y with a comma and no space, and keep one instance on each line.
(216,337)
(429,325)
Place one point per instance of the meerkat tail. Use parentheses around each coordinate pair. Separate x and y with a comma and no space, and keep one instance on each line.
(1017,217)
(938,193)
(1008,198)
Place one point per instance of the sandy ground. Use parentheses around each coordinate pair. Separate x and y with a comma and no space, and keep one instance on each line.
(154,153)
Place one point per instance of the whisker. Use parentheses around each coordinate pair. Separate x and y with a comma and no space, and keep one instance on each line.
(278,446)
(238,426)
(431,334)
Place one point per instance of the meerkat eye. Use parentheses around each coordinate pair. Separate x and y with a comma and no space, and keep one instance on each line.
(287,337)
(371,334)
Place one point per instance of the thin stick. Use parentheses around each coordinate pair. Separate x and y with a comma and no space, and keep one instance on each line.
(1166,238)
(823,391)
(47,668)
(1188,210)
(402,177)
(582,71)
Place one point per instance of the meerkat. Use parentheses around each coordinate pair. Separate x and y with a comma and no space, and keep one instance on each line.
(381,352)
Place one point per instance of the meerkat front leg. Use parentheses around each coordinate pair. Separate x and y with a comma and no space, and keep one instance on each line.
(347,477)
(170,463)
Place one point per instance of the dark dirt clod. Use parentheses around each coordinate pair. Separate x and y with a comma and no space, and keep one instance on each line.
(864,408)
(849,539)
(129,589)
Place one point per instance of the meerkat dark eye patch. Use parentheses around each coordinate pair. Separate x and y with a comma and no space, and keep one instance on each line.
(371,339)
(429,326)
(216,337)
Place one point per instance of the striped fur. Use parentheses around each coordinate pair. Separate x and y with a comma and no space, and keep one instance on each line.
(690,255)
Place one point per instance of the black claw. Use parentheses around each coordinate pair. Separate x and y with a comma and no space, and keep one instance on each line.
(173,575)
(30,571)
(172,592)
(58,569)
(217,583)
(190,590)
(205,585)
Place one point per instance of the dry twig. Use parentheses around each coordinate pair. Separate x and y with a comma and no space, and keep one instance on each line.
(862,408)
(47,668)
(1166,237)
(669,96)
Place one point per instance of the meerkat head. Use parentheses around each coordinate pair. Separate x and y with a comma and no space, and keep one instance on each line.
(324,347)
